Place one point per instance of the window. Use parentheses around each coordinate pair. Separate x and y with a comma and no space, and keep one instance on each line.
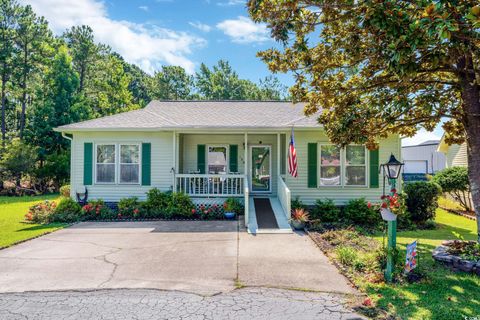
(105,163)
(343,167)
(217,159)
(129,163)
(330,165)
(355,166)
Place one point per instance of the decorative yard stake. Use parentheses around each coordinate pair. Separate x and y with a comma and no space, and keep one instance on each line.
(391,170)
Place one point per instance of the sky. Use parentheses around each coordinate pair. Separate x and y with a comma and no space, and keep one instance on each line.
(152,33)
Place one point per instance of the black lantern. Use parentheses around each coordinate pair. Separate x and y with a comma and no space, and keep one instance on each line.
(392,168)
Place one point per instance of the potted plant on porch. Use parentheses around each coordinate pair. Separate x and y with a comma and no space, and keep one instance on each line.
(299,218)
(231,206)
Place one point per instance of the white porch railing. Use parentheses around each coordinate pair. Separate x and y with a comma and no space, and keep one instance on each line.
(246,194)
(284,196)
(210,185)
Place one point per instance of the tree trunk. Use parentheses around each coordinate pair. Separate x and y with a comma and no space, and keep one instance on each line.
(24,93)
(4,120)
(471,122)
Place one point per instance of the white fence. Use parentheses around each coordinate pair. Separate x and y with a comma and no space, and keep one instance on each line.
(284,197)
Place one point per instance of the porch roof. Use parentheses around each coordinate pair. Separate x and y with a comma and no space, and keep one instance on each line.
(170,115)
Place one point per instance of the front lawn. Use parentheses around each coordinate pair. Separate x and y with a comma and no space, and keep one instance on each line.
(12,226)
(442,294)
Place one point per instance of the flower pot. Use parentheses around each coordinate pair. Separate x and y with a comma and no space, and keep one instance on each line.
(387,215)
(298,225)
(229,215)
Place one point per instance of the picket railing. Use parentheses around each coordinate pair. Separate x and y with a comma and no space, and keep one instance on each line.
(210,185)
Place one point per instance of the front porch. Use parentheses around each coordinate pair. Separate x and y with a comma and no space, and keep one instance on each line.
(211,167)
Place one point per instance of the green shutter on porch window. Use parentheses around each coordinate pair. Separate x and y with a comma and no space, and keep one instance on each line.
(201,158)
(233,158)
(374,166)
(146,164)
(87,163)
(312,165)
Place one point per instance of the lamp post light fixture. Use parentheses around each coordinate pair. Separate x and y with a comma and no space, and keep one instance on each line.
(391,170)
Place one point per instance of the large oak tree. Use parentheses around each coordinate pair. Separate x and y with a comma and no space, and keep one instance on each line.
(371,68)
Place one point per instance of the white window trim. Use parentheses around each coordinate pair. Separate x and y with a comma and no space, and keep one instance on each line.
(319,159)
(117,162)
(139,145)
(114,163)
(343,166)
(226,146)
(365,165)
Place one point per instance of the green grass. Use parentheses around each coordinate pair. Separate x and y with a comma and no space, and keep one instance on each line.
(443,294)
(13,228)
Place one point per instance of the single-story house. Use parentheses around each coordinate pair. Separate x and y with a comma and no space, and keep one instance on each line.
(423,158)
(217,149)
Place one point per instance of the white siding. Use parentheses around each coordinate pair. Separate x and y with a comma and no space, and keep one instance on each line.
(161,163)
(423,159)
(340,195)
(457,155)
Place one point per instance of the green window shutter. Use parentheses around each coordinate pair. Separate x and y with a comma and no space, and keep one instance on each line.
(201,158)
(233,158)
(87,163)
(374,167)
(312,165)
(146,164)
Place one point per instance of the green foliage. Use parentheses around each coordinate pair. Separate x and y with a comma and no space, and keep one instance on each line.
(455,181)
(180,205)
(346,255)
(172,83)
(17,161)
(233,205)
(157,203)
(297,204)
(97,209)
(41,212)
(65,190)
(129,208)
(67,210)
(358,212)
(325,211)
(422,200)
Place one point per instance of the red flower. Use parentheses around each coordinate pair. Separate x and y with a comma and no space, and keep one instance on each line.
(119,216)
(194,211)
(394,190)
(369,205)
(367,302)
(383,197)
(384,205)
(135,211)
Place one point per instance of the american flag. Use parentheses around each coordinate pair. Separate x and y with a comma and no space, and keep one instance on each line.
(292,157)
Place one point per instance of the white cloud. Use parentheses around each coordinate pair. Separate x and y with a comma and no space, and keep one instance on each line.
(144,8)
(201,26)
(231,3)
(148,46)
(244,30)
(421,136)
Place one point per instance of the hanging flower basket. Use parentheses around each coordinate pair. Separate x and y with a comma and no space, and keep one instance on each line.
(388,215)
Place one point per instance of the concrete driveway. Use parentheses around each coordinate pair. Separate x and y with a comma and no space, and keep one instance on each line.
(198,257)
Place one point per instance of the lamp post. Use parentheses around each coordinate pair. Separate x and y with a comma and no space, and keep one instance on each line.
(391,170)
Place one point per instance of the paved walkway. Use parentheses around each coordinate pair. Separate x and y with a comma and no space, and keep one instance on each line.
(248,303)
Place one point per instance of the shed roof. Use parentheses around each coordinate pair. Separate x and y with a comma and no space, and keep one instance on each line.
(158,115)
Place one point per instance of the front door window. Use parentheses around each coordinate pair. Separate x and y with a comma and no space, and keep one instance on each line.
(261,169)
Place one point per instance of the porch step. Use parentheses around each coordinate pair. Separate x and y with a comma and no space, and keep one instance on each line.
(280,216)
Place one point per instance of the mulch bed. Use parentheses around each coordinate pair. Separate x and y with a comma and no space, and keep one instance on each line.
(467,214)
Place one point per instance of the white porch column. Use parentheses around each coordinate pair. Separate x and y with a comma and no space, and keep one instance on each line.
(174,161)
(245,172)
(278,157)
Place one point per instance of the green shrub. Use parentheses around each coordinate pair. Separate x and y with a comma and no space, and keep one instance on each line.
(96,210)
(157,203)
(325,211)
(358,212)
(233,205)
(455,181)
(346,255)
(67,210)
(422,200)
(65,190)
(297,204)
(129,208)
(180,205)
(41,212)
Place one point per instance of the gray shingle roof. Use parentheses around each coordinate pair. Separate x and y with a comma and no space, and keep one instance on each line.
(202,114)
